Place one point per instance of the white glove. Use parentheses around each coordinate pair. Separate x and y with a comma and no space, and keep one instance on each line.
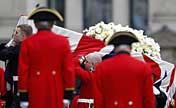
(24,104)
(94,58)
(156,91)
(9,43)
(66,103)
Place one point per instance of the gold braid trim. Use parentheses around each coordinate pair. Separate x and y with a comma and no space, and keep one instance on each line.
(67,89)
(23,91)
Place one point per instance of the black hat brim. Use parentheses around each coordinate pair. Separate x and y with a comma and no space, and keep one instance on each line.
(45,14)
(120,38)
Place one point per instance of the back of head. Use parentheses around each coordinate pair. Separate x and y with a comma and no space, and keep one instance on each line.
(124,37)
(122,41)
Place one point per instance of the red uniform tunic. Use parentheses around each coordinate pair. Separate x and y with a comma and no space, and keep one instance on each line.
(175,100)
(124,82)
(45,69)
(2,82)
(2,87)
(88,88)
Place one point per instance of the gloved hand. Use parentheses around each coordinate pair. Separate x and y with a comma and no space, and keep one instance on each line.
(10,43)
(24,104)
(23,99)
(66,103)
(92,60)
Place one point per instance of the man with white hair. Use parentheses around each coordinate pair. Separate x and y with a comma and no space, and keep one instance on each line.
(122,79)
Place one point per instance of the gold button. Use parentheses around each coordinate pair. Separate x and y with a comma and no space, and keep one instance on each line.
(115,103)
(54,72)
(130,103)
(38,73)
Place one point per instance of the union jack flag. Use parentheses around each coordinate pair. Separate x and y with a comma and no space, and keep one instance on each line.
(164,71)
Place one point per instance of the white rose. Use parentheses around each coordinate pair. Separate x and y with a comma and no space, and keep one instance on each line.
(98,30)
(100,37)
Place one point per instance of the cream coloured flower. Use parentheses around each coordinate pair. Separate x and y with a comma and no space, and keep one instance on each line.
(146,44)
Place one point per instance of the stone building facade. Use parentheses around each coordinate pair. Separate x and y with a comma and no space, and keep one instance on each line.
(166,38)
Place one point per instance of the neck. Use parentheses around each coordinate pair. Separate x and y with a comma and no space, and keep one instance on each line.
(122,49)
(44,29)
(44,25)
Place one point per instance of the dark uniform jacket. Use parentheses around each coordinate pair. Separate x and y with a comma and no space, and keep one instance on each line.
(10,56)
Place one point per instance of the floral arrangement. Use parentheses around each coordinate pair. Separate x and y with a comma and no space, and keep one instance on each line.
(146,44)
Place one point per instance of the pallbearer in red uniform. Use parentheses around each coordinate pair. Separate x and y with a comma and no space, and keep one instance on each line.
(2,83)
(2,88)
(84,70)
(45,63)
(123,81)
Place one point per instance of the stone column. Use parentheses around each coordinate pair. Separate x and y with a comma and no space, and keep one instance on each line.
(73,15)
(120,10)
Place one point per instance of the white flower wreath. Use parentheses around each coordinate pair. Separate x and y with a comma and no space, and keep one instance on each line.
(146,44)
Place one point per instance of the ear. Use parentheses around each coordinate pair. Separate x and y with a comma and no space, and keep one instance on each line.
(24,35)
(51,24)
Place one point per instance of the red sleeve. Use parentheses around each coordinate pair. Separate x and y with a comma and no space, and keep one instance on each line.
(2,82)
(68,70)
(83,75)
(23,68)
(149,101)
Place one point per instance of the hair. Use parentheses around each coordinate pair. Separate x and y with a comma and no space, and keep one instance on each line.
(123,48)
(27,29)
(44,25)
